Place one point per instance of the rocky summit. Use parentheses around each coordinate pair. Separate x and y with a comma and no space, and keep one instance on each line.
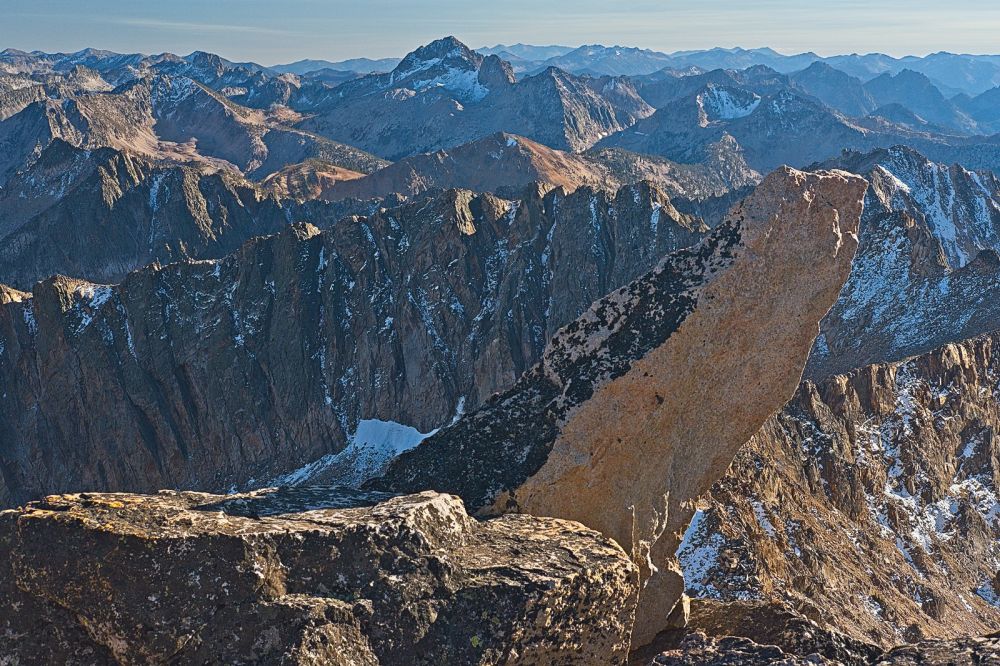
(308,576)
(508,355)
(615,394)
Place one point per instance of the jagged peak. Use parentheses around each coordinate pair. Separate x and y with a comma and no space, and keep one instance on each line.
(68,290)
(443,47)
(761,69)
(905,75)
(301,230)
(207,56)
(555,73)
(820,67)
(167,56)
(445,64)
(868,162)
(495,71)
(447,49)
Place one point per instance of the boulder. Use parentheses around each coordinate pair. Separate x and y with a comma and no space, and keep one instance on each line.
(705,650)
(305,576)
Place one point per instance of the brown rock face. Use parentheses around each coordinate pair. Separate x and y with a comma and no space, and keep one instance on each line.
(305,576)
(505,162)
(869,502)
(640,404)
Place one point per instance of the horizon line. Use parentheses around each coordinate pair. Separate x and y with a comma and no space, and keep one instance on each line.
(780,52)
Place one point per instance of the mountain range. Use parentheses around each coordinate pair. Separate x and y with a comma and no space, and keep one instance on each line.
(697,345)
(955,73)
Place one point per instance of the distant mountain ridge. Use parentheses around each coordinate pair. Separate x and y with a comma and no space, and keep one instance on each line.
(357,65)
(504,163)
(444,94)
(953,73)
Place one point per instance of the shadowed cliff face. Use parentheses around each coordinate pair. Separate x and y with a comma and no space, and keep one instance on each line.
(927,265)
(641,403)
(219,373)
(99,214)
(870,502)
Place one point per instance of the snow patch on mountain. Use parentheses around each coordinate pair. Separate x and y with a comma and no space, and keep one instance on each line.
(464,83)
(958,206)
(699,555)
(900,185)
(372,446)
(173,90)
(28,314)
(92,297)
(154,192)
(988,594)
(726,104)
(917,522)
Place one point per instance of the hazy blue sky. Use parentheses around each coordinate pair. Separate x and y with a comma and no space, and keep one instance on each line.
(272,31)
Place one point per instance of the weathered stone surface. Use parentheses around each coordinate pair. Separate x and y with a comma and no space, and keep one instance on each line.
(640,404)
(774,624)
(704,650)
(958,652)
(698,648)
(305,576)
(869,503)
(206,375)
(754,633)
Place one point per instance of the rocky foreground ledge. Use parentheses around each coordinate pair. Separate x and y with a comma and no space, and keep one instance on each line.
(305,576)
(749,633)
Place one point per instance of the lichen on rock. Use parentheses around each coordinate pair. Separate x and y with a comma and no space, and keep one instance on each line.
(305,576)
